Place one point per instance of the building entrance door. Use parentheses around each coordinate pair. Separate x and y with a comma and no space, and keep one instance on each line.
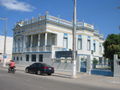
(83,64)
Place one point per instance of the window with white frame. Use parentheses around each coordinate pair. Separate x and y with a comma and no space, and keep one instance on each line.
(79,42)
(14,58)
(17,58)
(27,57)
(65,41)
(33,57)
(88,45)
(94,46)
(100,48)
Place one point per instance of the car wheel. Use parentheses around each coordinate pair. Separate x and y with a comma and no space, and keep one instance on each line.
(49,74)
(26,70)
(38,72)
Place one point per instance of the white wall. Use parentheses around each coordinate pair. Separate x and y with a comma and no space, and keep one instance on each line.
(1,44)
(84,33)
(9,44)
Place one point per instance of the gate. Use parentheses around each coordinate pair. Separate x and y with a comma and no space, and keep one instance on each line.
(102,72)
(97,69)
(83,64)
(103,67)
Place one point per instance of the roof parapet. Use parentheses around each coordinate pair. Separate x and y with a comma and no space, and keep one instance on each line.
(54,19)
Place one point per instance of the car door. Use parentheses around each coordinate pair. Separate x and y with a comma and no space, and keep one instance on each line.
(38,66)
(32,68)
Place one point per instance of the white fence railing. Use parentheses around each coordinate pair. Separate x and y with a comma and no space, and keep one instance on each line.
(43,48)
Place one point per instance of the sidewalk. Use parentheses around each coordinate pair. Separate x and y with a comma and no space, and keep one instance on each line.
(81,75)
(82,78)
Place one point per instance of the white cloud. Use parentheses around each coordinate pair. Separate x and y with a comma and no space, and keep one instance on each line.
(16,5)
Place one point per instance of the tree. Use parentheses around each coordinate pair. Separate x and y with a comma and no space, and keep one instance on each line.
(111,47)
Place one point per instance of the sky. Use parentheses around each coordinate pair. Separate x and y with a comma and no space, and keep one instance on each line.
(103,14)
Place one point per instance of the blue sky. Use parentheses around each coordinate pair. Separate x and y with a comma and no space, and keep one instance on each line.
(101,13)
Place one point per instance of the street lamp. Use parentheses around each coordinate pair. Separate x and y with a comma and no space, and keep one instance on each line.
(5,32)
(74,41)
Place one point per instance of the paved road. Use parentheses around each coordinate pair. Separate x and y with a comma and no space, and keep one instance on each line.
(23,81)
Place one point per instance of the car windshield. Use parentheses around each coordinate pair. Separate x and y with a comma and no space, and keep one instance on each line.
(46,65)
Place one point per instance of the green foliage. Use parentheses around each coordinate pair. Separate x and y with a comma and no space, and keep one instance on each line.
(95,61)
(112,45)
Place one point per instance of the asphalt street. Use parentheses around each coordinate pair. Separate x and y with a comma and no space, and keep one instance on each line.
(24,81)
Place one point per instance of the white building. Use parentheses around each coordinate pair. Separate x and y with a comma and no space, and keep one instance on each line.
(9,42)
(40,40)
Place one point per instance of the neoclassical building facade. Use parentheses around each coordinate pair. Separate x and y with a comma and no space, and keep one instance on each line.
(47,37)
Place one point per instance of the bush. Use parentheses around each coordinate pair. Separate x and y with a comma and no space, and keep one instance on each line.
(95,62)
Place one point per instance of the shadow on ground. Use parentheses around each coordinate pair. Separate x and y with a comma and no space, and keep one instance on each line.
(61,75)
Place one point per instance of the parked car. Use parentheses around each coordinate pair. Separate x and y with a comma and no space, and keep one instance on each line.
(39,68)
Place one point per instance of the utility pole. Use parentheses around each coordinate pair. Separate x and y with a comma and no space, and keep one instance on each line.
(119,26)
(74,41)
(5,33)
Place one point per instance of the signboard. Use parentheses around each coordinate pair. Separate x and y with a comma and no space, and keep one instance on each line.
(65,54)
(5,56)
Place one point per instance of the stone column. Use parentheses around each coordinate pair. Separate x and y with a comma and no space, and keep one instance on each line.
(37,57)
(23,58)
(30,57)
(89,64)
(38,42)
(78,63)
(31,43)
(116,72)
(14,45)
(45,41)
(24,43)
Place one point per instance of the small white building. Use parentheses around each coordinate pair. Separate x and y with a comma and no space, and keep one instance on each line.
(47,37)
(9,43)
